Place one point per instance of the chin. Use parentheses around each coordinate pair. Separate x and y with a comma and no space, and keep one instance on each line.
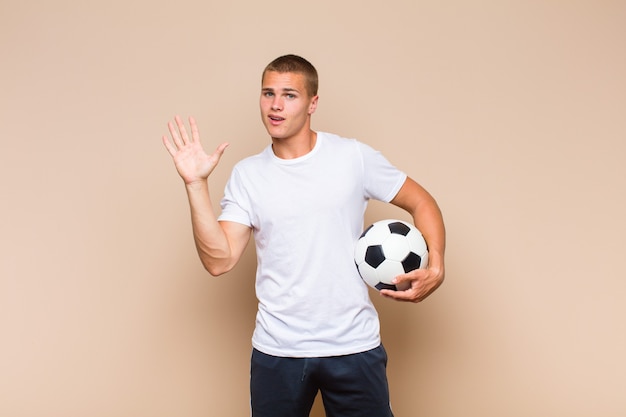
(276,133)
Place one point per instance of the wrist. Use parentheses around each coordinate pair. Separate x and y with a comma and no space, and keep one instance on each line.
(196,185)
(435,261)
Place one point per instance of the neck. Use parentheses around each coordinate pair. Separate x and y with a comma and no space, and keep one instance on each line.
(296,146)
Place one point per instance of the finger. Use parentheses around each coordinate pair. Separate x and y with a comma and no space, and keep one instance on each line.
(195,134)
(411,276)
(168,145)
(396,295)
(174,134)
(182,130)
(403,279)
(408,295)
(405,291)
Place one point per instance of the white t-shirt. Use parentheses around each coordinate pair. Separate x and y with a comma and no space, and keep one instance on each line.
(306,215)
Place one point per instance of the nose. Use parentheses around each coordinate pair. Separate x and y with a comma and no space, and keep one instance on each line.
(277,103)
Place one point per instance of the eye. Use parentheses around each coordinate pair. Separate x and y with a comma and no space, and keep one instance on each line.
(291,96)
(268,94)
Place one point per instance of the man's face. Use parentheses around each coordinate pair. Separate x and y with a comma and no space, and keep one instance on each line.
(285,104)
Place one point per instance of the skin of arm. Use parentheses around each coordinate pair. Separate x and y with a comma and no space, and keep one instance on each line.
(427,217)
(219,244)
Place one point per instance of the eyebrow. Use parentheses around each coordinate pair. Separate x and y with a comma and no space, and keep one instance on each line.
(287,89)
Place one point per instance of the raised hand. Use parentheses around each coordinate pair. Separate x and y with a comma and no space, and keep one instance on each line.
(192,162)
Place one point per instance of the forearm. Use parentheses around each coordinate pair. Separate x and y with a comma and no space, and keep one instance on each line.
(429,220)
(427,217)
(210,239)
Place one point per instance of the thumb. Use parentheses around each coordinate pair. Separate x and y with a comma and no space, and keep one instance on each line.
(406,279)
(221,148)
(219,151)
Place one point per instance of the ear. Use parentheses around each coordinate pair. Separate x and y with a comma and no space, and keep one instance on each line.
(313,105)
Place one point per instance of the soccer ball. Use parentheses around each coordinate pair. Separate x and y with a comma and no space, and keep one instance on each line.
(389,248)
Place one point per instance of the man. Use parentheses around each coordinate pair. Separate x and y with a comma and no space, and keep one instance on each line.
(304,198)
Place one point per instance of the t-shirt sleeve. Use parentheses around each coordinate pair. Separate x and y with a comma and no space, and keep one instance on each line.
(382,180)
(235,203)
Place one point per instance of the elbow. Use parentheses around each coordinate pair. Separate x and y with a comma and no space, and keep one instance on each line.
(217,262)
(216,269)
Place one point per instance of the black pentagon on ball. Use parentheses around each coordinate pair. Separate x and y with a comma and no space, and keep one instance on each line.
(411,262)
(399,228)
(383,286)
(374,255)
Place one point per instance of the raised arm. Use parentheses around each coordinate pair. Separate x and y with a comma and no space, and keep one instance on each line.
(428,219)
(219,244)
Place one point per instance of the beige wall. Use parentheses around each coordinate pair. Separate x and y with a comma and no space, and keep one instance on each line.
(512,113)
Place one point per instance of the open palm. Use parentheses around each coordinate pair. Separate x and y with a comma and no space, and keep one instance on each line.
(192,162)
